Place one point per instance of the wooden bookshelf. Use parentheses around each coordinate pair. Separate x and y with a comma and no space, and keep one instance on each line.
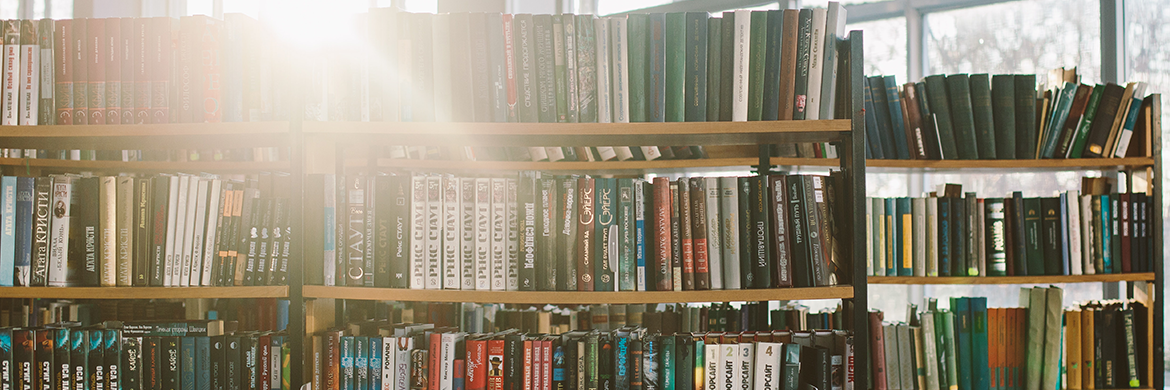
(1045,279)
(579,166)
(576,297)
(144,292)
(144,166)
(154,136)
(1070,163)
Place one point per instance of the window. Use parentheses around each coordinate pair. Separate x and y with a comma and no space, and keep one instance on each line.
(885,47)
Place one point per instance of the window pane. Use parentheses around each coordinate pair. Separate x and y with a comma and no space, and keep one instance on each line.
(885,46)
(1017,37)
(606,7)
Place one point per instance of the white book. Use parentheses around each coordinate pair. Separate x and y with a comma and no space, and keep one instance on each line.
(418,231)
(640,234)
(404,345)
(869,236)
(714,234)
(188,230)
(10,88)
(918,212)
(434,238)
(388,362)
(729,366)
(125,231)
(741,37)
(729,215)
(467,240)
(816,64)
(928,347)
(931,236)
(712,360)
(601,37)
(1073,205)
(1087,255)
(834,30)
(499,237)
(620,73)
(483,234)
(329,272)
(747,354)
(172,213)
(768,366)
(452,233)
(513,236)
(215,203)
(447,359)
(606,153)
(107,231)
(554,153)
(197,234)
(30,66)
(59,230)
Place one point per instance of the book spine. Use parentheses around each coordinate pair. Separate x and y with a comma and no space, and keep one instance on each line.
(626,258)
(12,75)
(499,243)
(585,234)
(729,224)
(160,67)
(112,57)
(512,254)
(467,250)
(59,231)
(452,233)
(28,73)
(567,234)
(45,41)
(546,234)
(107,231)
(418,231)
(695,85)
(662,237)
(778,218)
(355,194)
(434,233)
(699,232)
(686,238)
(483,226)
(606,234)
(656,68)
(63,71)
(527,196)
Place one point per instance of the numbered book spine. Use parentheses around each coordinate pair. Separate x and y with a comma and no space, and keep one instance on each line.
(418,231)
(452,233)
(499,235)
(483,234)
(467,243)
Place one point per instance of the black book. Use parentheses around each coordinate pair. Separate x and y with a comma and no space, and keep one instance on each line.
(1020,246)
(727,65)
(40,245)
(684,352)
(524,50)
(95,373)
(695,87)
(233,371)
(803,43)
(1108,362)
(1025,111)
(606,210)
(43,367)
(422,108)
(635,362)
(772,76)
(877,89)
(545,91)
(759,233)
(131,368)
(83,234)
(79,358)
(370,251)
(397,213)
(546,249)
(6,380)
(217,367)
(958,237)
(143,193)
(23,348)
(480,69)
(747,272)
(62,348)
(281,242)
(526,195)
(160,186)
(248,361)
(1052,243)
(258,242)
(513,361)
(245,244)
(1003,104)
(169,369)
(559,366)
(987,139)
(112,355)
(314,217)
(802,266)
(605,361)
(566,233)
(355,229)
(151,363)
(1115,209)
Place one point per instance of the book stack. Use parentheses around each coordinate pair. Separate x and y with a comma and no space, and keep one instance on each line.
(474,67)
(949,233)
(164,230)
(1004,117)
(422,356)
(582,233)
(1098,345)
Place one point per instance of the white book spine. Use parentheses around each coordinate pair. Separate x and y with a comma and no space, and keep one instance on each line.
(188,220)
(729,366)
(434,237)
(59,225)
(418,232)
(640,234)
(452,234)
(169,248)
(513,236)
(606,153)
(388,362)
(651,153)
(402,363)
(1087,232)
(483,234)
(29,80)
(214,205)
(918,207)
(11,84)
(621,72)
(467,240)
(712,362)
(1074,232)
(834,30)
(329,272)
(446,377)
(739,63)
(601,37)
(747,353)
(767,366)
(816,64)
(931,236)
(107,231)
(499,235)
(125,230)
(1126,133)
(197,236)
(554,153)
(714,234)
(729,215)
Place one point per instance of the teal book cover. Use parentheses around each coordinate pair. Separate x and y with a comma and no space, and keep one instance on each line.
(202,363)
(964,346)
(361,362)
(626,269)
(375,362)
(347,357)
(606,233)
(1106,235)
(667,366)
(8,230)
(187,363)
(982,373)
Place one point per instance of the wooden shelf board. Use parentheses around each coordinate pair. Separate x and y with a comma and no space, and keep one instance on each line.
(1046,279)
(575,297)
(144,292)
(1071,163)
(152,136)
(152,166)
(587,166)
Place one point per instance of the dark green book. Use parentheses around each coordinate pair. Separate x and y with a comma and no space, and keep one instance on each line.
(962,118)
(1068,131)
(759,232)
(726,64)
(79,356)
(606,210)
(1051,234)
(746,271)
(881,112)
(771,89)
(528,208)
(873,140)
(958,237)
(981,109)
(1003,109)
(605,361)
(897,126)
(944,236)
(684,372)
(1019,246)
(668,363)
(546,88)
(791,367)
(43,360)
(656,70)
(1082,135)
(940,106)
(586,71)
(695,86)
(1025,116)
(714,71)
(964,342)
(676,54)
(627,267)
(803,43)
(639,25)
(422,69)
(1033,236)
(1061,108)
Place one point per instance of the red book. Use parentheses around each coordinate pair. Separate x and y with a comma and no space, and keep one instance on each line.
(187,79)
(585,234)
(63,73)
(160,67)
(877,344)
(112,54)
(142,50)
(698,200)
(332,369)
(476,378)
(95,66)
(779,220)
(546,361)
(126,68)
(510,72)
(79,53)
(530,362)
(264,363)
(435,356)
(662,244)
(1126,233)
(210,82)
(495,364)
(687,250)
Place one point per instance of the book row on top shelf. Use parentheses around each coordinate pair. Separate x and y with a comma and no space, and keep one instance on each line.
(1005,117)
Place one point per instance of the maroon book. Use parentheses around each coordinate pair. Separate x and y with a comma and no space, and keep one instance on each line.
(698,199)
(63,73)
(143,50)
(662,245)
(79,54)
(95,66)
(687,250)
(187,79)
(126,68)
(585,234)
(113,58)
(160,68)
(210,106)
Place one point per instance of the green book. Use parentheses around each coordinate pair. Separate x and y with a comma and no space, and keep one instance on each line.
(639,24)
(714,72)
(1025,116)
(560,82)
(981,373)
(996,237)
(1034,350)
(803,42)
(1003,108)
(605,210)
(984,119)
(586,70)
(591,364)
(962,117)
(726,64)
(1082,135)
(1034,251)
(676,32)
(666,366)
(936,93)
(951,363)
(964,348)
(1060,111)
(756,49)
(695,85)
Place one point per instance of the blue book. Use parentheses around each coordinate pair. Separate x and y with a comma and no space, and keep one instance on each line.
(281,314)
(7,230)
(1106,235)
(376,363)
(1064,226)
(964,346)
(891,226)
(873,134)
(187,363)
(650,370)
(905,235)
(347,357)
(25,187)
(361,362)
(896,123)
(666,366)
(981,373)
(202,363)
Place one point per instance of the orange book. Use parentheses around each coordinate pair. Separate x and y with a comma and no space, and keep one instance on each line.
(1088,374)
(994,335)
(1072,331)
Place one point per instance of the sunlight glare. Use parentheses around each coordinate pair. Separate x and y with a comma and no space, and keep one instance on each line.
(313,23)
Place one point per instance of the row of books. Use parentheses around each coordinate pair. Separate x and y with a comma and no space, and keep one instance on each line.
(1075,233)
(421,356)
(583,233)
(182,355)
(978,116)
(163,230)
(259,314)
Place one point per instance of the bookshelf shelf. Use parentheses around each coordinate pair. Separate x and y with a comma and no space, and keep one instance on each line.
(575,297)
(145,166)
(588,166)
(1071,163)
(144,292)
(1045,279)
(147,136)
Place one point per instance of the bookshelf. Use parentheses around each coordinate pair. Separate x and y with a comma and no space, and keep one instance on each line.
(578,298)
(1045,279)
(144,292)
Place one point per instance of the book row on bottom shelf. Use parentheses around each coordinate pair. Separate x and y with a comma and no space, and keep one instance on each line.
(160,230)
(949,233)
(1042,344)
(262,314)
(944,117)
(584,233)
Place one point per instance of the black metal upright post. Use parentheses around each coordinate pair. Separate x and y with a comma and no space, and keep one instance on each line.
(853,165)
